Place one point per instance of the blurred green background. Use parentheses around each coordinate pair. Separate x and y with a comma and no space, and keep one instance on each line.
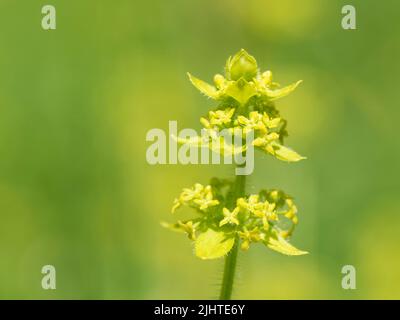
(76,103)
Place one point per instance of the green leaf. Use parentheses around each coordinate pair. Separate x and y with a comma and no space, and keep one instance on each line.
(204,87)
(240,90)
(212,244)
(280,93)
(282,246)
(286,154)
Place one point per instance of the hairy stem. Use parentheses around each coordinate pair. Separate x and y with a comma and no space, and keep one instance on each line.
(230,260)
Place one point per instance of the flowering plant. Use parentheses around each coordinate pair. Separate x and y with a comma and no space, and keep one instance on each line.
(226,216)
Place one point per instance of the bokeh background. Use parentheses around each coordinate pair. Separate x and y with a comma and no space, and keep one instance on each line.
(76,191)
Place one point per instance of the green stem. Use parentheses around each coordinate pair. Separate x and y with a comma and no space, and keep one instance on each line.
(230,260)
(229,273)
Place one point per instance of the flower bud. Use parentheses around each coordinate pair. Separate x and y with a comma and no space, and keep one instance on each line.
(267,77)
(219,81)
(242,65)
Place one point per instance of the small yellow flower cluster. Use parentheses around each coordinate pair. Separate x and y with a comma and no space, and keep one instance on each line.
(247,103)
(268,217)
(199,197)
(266,212)
(268,131)
(258,122)
(255,235)
(220,119)
(262,210)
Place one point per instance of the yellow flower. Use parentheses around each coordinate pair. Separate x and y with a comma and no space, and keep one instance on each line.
(230,217)
(189,228)
(241,203)
(291,213)
(255,206)
(206,201)
(269,210)
(250,236)
(271,123)
(190,194)
(254,122)
(197,196)
(265,140)
(221,117)
(265,223)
